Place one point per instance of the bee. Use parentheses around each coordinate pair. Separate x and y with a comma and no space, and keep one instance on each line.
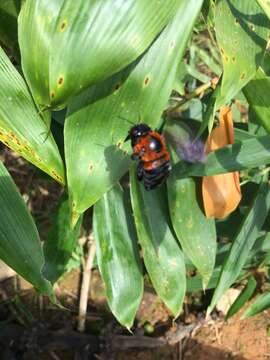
(149,149)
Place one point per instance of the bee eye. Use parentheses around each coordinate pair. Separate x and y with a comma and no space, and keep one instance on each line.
(155,145)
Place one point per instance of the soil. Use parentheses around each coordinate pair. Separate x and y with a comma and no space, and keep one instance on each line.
(31,326)
(236,339)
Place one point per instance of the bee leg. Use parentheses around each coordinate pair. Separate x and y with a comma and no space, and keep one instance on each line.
(140,171)
(135,156)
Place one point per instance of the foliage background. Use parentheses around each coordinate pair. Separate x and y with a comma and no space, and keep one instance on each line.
(69,80)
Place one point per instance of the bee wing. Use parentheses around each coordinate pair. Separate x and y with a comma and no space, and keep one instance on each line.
(186,146)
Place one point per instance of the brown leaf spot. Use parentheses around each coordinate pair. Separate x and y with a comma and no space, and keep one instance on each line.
(91,167)
(63,25)
(60,80)
(52,94)
(233,59)
(117,86)
(243,75)
(146,81)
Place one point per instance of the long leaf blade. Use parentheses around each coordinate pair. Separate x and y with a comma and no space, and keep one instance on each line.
(20,246)
(21,127)
(242,31)
(36,24)
(260,304)
(118,255)
(96,39)
(196,233)
(245,295)
(162,256)
(60,242)
(265,5)
(256,92)
(243,242)
(112,35)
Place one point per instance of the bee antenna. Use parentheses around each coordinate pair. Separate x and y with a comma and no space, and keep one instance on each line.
(130,122)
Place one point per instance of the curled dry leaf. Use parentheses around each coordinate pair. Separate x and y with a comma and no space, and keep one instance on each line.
(221,193)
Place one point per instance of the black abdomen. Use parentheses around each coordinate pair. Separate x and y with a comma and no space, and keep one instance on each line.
(154,177)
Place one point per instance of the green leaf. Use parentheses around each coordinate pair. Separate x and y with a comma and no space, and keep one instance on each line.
(95,39)
(36,24)
(95,129)
(265,5)
(194,283)
(162,256)
(257,253)
(245,295)
(21,127)
(243,242)
(256,92)
(61,242)
(118,255)
(260,304)
(196,233)
(208,12)
(247,154)
(20,246)
(242,32)
(9,10)
(242,135)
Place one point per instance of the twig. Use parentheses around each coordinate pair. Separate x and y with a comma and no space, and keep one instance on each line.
(180,351)
(86,283)
(180,333)
(197,92)
(40,304)
(182,346)
(125,342)
(54,356)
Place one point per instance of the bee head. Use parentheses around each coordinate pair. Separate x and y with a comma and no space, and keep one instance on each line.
(136,132)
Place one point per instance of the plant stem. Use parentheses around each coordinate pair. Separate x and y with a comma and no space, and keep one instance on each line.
(86,283)
(196,93)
